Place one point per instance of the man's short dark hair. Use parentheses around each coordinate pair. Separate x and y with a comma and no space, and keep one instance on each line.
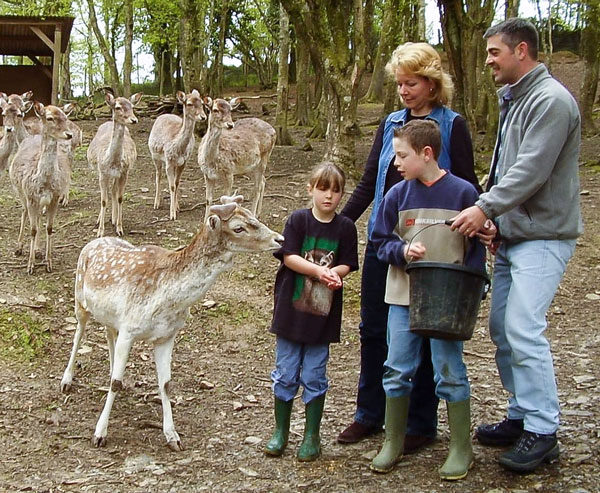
(515,31)
(421,133)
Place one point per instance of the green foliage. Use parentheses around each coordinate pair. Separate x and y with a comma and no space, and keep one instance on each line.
(22,336)
(61,8)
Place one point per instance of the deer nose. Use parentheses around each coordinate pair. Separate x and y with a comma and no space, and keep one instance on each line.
(68,135)
(9,129)
(230,125)
(133,119)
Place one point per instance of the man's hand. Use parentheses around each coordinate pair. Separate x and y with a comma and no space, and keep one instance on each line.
(469,222)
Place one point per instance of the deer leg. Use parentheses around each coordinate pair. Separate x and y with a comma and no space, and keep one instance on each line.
(122,348)
(210,186)
(157,180)
(259,191)
(111,337)
(34,223)
(19,250)
(178,173)
(120,191)
(82,319)
(51,214)
(172,177)
(103,201)
(162,358)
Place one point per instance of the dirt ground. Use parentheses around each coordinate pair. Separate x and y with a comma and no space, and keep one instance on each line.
(222,360)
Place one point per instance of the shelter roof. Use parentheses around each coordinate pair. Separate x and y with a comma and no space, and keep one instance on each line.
(18,38)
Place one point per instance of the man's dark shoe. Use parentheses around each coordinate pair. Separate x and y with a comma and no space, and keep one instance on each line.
(357,432)
(502,434)
(414,443)
(530,451)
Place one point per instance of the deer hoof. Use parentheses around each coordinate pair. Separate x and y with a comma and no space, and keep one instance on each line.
(98,441)
(175,445)
(65,387)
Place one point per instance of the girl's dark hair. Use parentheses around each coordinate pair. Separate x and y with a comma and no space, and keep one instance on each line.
(327,175)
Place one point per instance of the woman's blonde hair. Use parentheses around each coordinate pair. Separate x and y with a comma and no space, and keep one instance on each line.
(423,60)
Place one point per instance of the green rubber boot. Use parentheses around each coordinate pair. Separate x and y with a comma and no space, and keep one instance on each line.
(396,416)
(460,454)
(279,440)
(310,449)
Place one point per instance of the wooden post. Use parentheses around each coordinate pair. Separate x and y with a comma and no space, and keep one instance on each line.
(56,63)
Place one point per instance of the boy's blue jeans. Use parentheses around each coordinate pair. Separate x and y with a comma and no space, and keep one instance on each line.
(370,402)
(526,277)
(450,373)
(296,365)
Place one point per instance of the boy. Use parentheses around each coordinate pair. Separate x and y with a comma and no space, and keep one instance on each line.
(427,195)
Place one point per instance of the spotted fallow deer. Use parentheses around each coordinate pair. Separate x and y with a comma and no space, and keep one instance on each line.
(171,143)
(39,178)
(113,152)
(230,149)
(145,293)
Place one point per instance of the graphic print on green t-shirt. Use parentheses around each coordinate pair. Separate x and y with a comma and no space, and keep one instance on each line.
(310,295)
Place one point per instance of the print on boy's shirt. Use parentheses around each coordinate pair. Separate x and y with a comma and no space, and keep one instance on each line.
(310,295)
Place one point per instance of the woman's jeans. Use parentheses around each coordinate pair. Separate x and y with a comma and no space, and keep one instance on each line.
(450,373)
(296,365)
(526,277)
(370,402)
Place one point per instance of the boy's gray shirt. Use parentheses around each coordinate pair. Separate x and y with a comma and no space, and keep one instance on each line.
(536,195)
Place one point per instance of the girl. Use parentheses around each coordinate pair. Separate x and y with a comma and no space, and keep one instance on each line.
(319,250)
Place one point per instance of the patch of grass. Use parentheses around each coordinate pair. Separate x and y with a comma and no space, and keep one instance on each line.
(22,336)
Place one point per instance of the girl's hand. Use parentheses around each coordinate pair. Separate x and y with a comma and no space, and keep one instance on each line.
(330,278)
(414,251)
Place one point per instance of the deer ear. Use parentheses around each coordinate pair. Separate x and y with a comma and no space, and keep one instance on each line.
(109,98)
(69,108)
(39,109)
(213,222)
(136,98)
(235,102)
(27,106)
(181,97)
(207,103)
(26,96)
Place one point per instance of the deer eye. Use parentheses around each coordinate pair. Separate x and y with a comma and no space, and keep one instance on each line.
(49,118)
(239,229)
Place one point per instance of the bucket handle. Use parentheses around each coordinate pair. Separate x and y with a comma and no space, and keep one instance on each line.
(447,222)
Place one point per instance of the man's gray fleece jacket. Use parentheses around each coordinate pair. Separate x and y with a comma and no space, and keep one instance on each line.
(537,192)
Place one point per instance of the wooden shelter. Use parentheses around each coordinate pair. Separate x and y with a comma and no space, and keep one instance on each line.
(43,40)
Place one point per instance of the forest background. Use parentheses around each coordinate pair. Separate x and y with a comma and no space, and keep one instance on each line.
(323,49)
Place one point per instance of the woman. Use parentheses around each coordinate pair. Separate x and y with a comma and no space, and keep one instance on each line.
(425,90)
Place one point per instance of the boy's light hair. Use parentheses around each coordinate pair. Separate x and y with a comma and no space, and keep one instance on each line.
(327,175)
(422,59)
(514,31)
(420,134)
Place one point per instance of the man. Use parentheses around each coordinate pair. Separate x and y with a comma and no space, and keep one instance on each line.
(533,195)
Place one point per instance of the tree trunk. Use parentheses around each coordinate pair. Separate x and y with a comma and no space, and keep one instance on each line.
(128,59)
(463,25)
(334,33)
(281,114)
(104,49)
(302,84)
(390,31)
(511,8)
(590,43)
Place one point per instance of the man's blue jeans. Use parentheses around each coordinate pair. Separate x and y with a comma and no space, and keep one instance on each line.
(403,359)
(526,277)
(370,403)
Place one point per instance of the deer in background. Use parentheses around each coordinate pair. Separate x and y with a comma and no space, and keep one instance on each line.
(145,293)
(11,114)
(171,143)
(22,104)
(230,149)
(39,177)
(33,125)
(113,152)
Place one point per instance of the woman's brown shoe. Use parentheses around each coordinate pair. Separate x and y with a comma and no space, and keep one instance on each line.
(357,432)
